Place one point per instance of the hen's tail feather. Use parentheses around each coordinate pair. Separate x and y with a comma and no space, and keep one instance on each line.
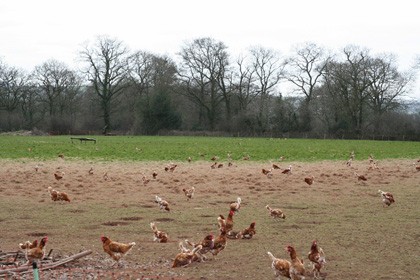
(153,226)
(189,243)
(182,248)
(130,246)
(199,247)
(271,256)
(322,256)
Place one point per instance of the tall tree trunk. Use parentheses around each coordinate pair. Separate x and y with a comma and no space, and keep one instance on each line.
(106,107)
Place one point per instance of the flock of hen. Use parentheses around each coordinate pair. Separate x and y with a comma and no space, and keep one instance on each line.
(293,269)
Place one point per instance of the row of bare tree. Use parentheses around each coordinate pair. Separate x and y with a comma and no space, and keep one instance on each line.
(311,93)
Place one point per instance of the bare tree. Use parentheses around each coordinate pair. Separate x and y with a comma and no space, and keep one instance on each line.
(151,71)
(387,87)
(151,75)
(304,71)
(12,86)
(58,85)
(108,71)
(268,71)
(245,89)
(142,71)
(226,86)
(349,82)
(33,112)
(141,75)
(202,70)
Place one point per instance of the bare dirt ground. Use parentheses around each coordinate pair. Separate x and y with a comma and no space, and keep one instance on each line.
(361,238)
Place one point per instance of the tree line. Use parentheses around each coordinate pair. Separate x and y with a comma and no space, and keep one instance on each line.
(206,90)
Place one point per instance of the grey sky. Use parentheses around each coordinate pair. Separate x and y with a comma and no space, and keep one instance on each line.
(32,32)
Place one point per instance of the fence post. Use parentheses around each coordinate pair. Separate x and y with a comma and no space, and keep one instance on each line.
(35,270)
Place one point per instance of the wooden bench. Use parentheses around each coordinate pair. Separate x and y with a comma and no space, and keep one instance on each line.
(83,139)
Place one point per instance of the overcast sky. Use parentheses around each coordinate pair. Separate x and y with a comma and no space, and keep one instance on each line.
(33,31)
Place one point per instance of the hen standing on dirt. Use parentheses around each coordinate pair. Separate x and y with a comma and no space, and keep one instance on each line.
(185,258)
(163,204)
(158,235)
(317,257)
(229,222)
(235,206)
(189,193)
(297,270)
(275,213)
(219,243)
(247,233)
(38,252)
(207,244)
(57,196)
(281,267)
(387,197)
(309,180)
(115,249)
(28,244)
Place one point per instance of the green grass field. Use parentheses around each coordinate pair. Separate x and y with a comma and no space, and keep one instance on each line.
(163,148)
